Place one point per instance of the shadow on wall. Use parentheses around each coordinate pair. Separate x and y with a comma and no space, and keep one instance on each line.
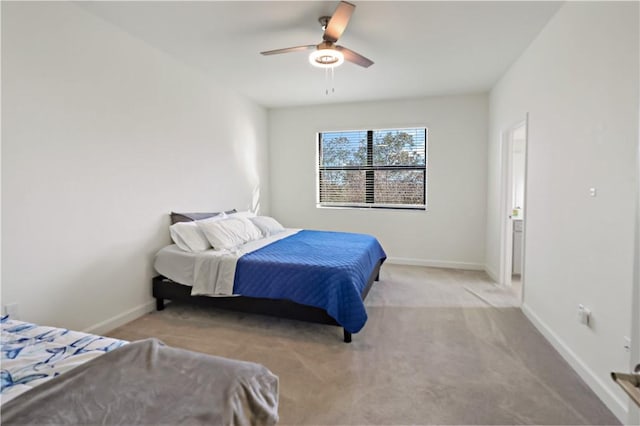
(246,151)
(255,200)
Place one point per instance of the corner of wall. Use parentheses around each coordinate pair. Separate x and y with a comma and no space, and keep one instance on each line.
(491,272)
(112,323)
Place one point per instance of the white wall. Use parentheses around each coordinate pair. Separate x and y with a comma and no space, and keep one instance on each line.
(102,137)
(579,82)
(450,233)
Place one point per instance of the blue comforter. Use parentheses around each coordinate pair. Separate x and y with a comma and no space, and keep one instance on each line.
(328,270)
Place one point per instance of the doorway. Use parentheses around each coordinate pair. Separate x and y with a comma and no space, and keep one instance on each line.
(513,212)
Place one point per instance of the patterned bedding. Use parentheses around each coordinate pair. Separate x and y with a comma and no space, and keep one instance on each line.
(33,354)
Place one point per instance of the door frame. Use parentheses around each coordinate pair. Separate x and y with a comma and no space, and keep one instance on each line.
(634,411)
(506,203)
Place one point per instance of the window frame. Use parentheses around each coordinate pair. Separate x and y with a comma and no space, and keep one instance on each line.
(370,170)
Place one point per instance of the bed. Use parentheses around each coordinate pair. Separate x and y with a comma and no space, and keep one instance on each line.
(57,376)
(316,276)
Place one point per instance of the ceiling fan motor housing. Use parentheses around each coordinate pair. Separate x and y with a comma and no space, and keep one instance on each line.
(324,21)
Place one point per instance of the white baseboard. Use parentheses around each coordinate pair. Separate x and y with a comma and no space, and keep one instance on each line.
(121,319)
(435,263)
(617,407)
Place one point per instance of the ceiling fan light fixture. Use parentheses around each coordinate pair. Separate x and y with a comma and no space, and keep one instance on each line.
(326,58)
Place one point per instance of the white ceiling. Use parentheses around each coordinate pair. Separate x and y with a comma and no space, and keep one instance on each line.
(419,48)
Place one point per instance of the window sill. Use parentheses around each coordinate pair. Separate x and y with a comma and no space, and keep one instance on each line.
(377,208)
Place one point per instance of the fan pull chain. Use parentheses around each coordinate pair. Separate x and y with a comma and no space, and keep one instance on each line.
(326,81)
(333,88)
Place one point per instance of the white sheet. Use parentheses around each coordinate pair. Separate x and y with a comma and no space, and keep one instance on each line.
(211,272)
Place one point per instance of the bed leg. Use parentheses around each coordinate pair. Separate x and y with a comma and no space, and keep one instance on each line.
(377,277)
(347,336)
(159,303)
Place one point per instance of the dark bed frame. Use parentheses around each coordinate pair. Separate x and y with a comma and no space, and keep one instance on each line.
(164,288)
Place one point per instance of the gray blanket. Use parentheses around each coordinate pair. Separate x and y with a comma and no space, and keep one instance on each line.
(146,382)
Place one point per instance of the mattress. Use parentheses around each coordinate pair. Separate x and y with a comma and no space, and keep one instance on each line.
(323,269)
(210,272)
(176,264)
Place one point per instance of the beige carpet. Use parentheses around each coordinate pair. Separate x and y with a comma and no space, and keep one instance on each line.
(432,352)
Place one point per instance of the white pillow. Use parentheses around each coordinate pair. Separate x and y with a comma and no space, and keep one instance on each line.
(229,233)
(268,225)
(247,214)
(189,237)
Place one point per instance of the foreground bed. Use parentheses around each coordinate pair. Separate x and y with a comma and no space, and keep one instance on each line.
(57,376)
(315,276)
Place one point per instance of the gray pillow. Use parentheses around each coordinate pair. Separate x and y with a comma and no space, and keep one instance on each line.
(190,217)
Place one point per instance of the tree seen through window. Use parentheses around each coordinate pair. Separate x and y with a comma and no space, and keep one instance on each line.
(373,168)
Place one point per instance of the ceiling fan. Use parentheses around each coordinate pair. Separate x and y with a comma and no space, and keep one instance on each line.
(328,54)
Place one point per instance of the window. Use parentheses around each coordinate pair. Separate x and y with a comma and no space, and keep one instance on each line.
(373,168)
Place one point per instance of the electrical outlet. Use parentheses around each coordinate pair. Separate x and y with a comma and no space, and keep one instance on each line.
(627,343)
